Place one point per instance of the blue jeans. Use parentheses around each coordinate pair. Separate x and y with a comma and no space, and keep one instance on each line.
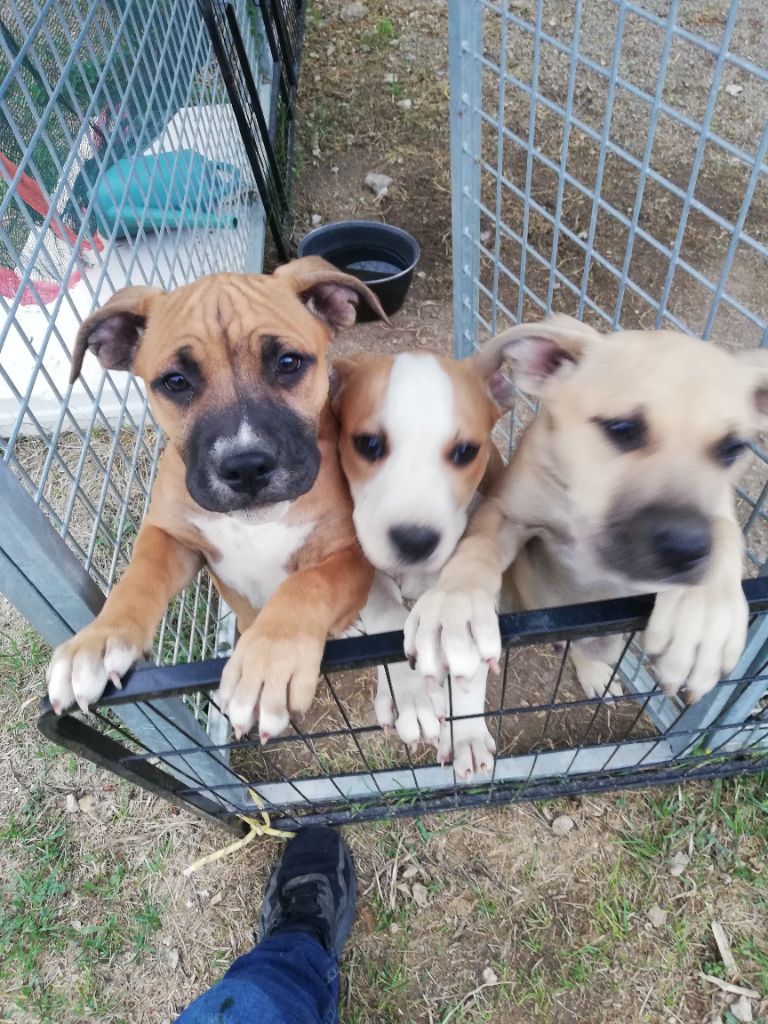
(287,979)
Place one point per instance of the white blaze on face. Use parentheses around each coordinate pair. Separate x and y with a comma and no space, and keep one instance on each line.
(412,486)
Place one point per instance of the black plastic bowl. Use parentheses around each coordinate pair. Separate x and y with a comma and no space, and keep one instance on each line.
(383,256)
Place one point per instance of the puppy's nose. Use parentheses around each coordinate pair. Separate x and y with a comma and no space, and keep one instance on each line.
(247,472)
(414,543)
(682,544)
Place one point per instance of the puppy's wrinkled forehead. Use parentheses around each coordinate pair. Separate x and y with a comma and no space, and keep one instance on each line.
(229,319)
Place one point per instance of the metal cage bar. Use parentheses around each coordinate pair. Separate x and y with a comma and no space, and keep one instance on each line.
(298,782)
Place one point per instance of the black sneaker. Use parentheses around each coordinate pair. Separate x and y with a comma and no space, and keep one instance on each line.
(312,889)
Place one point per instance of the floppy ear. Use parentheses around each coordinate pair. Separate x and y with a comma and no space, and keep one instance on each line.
(541,353)
(756,363)
(339,375)
(113,332)
(328,293)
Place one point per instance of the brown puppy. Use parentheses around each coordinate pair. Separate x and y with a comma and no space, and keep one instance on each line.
(623,484)
(415,443)
(249,483)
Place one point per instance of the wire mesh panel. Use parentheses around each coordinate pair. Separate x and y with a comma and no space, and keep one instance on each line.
(337,766)
(122,161)
(609,162)
(590,144)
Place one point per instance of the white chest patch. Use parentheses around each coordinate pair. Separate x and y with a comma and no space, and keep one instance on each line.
(253,555)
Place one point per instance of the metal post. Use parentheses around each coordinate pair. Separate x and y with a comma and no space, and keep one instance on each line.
(465,40)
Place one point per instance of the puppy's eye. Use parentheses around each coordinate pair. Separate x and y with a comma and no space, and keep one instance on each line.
(626,434)
(463,454)
(289,362)
(176,383)
(372,447)
(728,450)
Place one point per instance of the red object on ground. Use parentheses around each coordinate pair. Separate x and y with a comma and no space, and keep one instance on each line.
(10,280)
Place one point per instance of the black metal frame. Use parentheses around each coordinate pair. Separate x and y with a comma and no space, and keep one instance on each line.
(268,141)
(701,752)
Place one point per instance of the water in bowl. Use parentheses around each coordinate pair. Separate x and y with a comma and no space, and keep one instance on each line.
(372,270)
(365,266)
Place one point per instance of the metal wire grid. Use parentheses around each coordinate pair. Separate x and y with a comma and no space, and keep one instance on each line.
(609,161)
(268,134)
(336,767)
(111,81)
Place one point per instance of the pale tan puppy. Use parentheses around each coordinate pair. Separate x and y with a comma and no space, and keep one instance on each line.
(623,484)
(415,445)
(249,483)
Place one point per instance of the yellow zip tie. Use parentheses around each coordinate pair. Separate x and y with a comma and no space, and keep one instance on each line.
(256,827)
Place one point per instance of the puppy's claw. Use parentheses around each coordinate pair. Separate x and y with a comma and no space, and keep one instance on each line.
(116,681)
(493,665)
(264,738)
(56,705)
(412,662)
(83,705)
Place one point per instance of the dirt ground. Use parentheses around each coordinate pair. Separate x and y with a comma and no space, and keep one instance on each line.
(598,909)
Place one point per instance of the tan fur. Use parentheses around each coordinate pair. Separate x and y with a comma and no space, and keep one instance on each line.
(221,319)
(566,481)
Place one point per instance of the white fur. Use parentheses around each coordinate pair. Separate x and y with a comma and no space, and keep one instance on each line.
(254,551)
(412,486)
(467,741)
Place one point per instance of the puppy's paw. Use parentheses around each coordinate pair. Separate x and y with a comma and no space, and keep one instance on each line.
(81,667)
(453,630)
(470,746)
(596,678)
(697,635)
(413,707)
(269,677)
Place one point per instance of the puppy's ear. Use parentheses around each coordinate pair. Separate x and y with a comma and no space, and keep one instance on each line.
(756,363)
(328,293)
(113,332)
(540,353)
(339,375)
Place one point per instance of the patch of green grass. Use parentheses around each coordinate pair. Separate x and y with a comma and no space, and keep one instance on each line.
(21,652)
(39,923)
(727,822)
(386,915)
(383,33)
(536,927)
(313,16)
(753,956)
(485,904)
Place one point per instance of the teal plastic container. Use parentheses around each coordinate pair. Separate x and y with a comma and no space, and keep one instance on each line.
(175,190)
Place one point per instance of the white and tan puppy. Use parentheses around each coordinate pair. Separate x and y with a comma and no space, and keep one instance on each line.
(415,445)
(623,484)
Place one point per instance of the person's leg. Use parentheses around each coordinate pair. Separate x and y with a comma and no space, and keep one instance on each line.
(287,979)
(292,975)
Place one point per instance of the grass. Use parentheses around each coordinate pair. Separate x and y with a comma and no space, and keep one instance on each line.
(383,33)
(21,651)
(57,903)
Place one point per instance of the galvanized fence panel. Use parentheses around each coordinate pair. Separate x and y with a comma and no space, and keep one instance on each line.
(609,162)
(591,149)
(122,161)
(336,766)
(125,158)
